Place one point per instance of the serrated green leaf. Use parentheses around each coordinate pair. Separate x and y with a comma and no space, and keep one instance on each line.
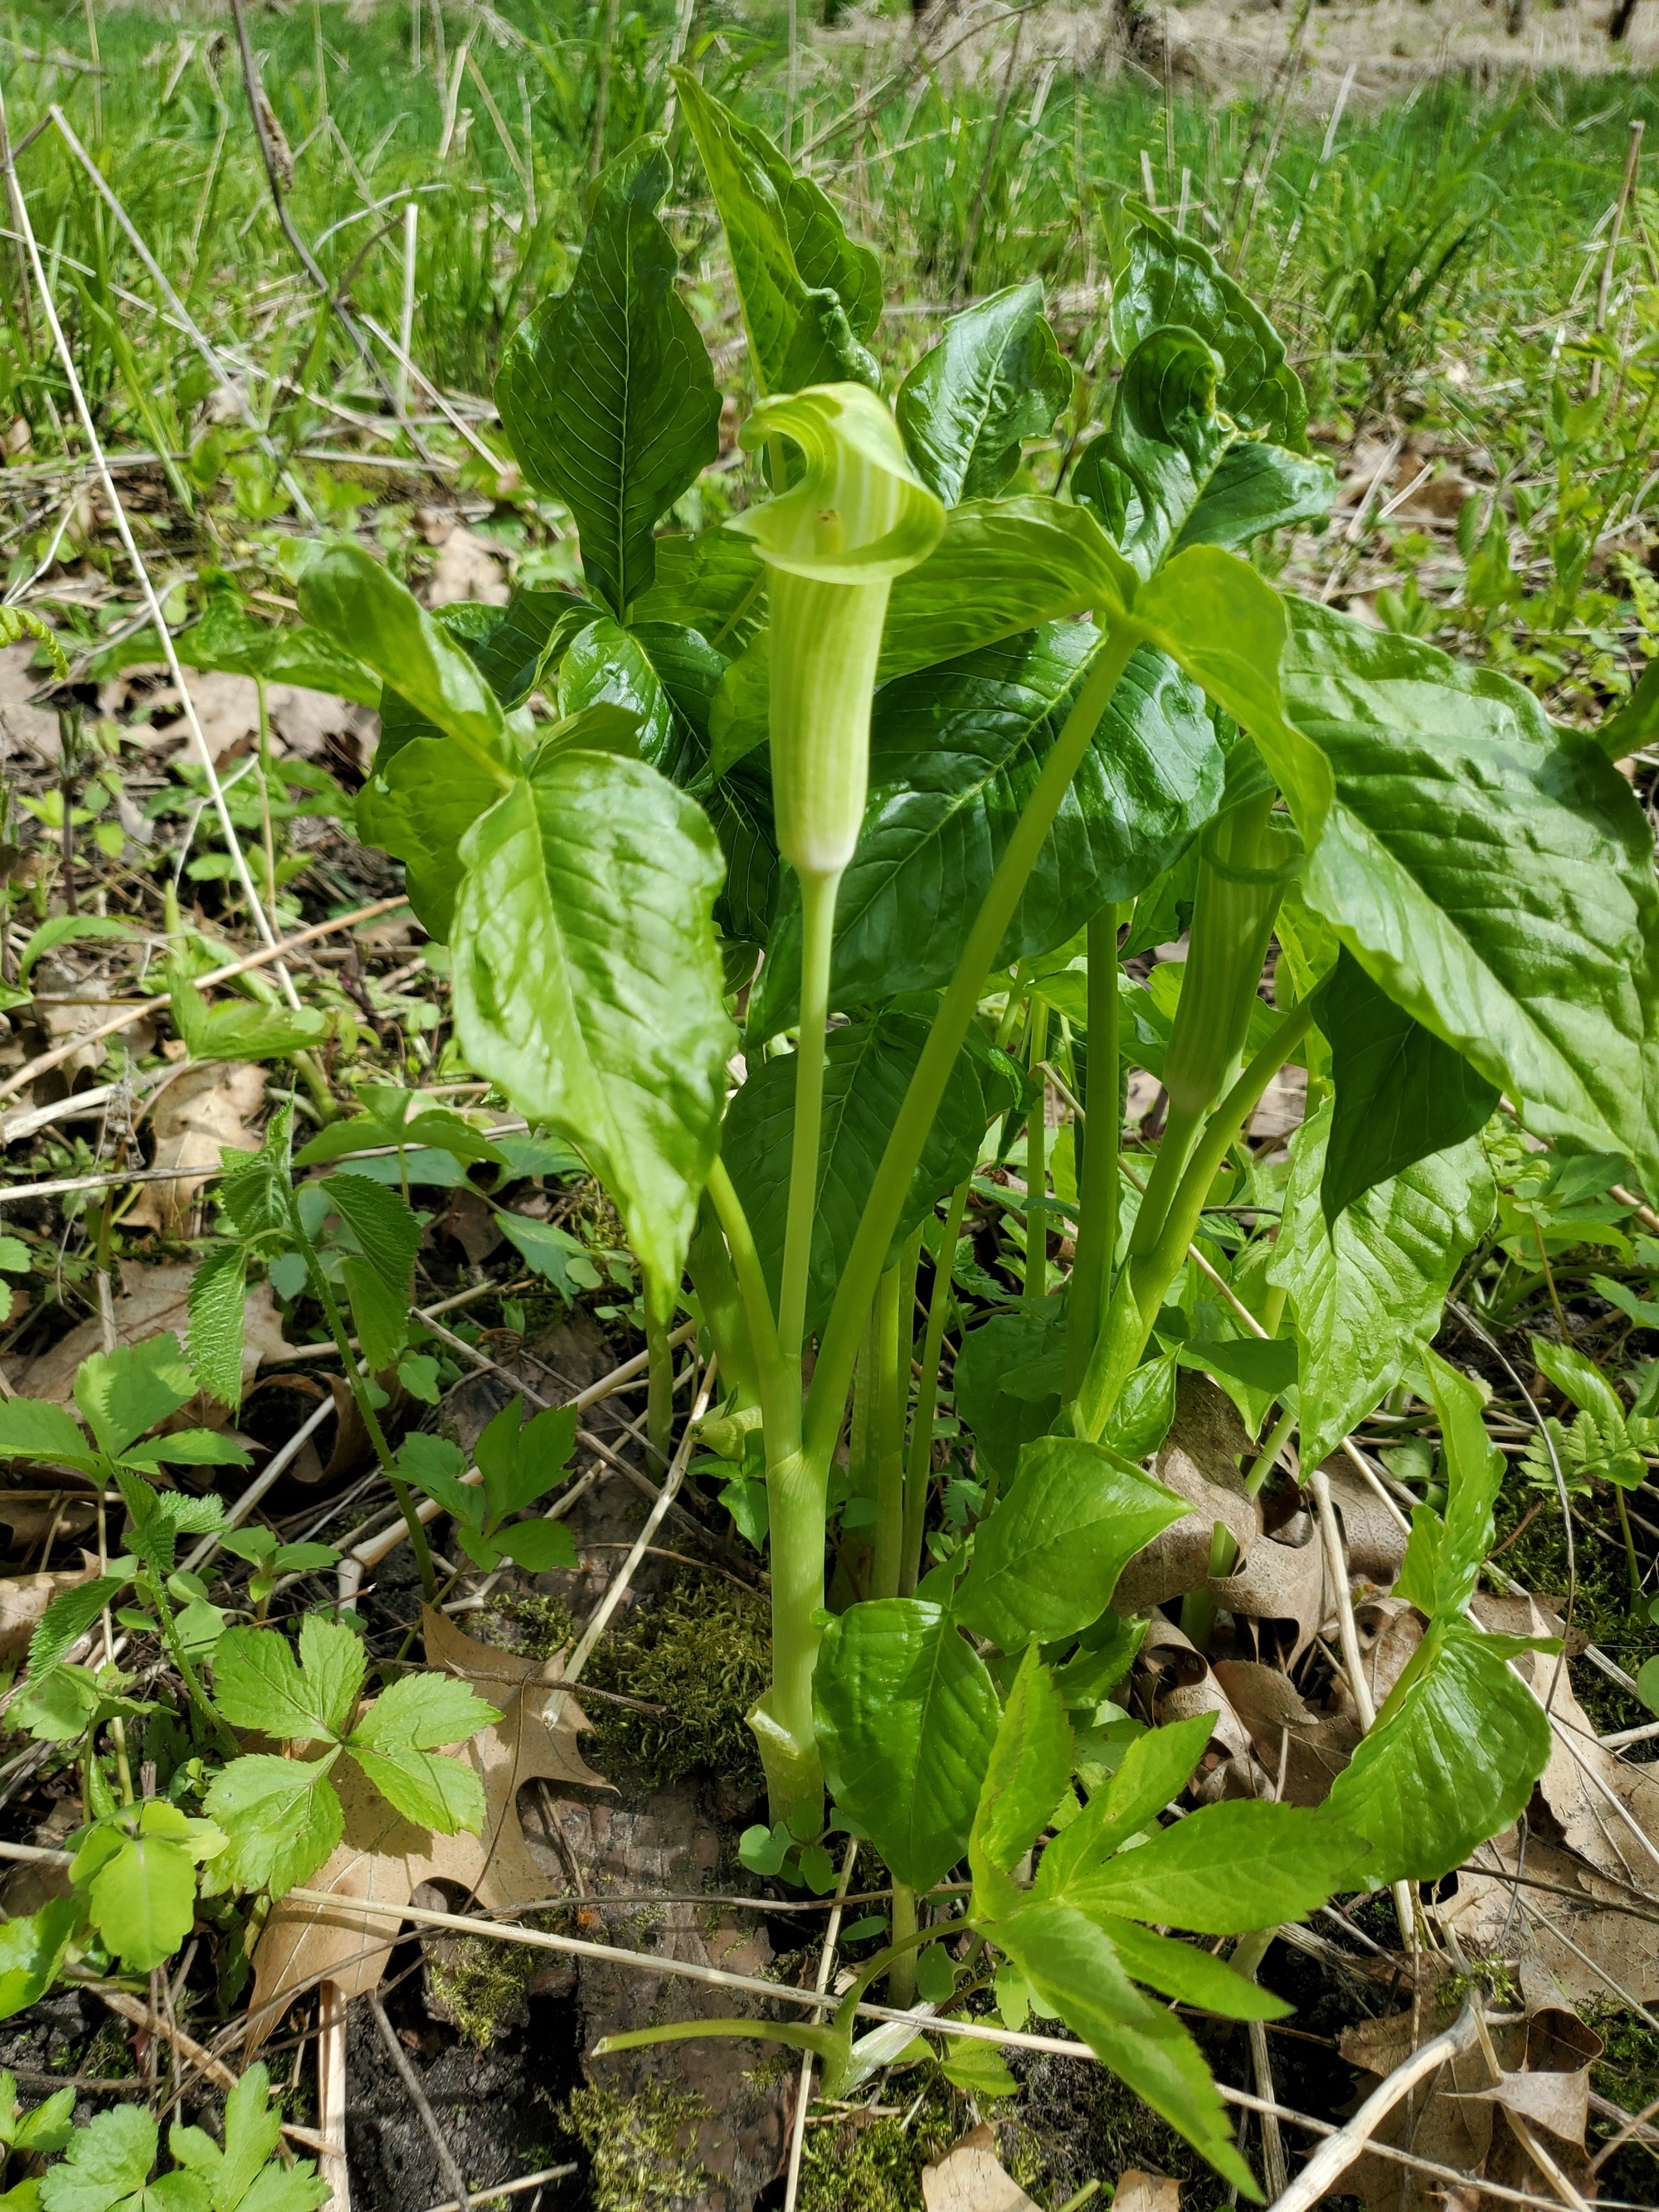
(425,1787)
(995,377)
(607,393)
(422,1712)
(188,1448)
(142,1900)
(126,1392)
(32,1428)
(1367,1293)
(60,929)
(380,1316)
(107,2162)
(382,1225)
(537,1545)
(32,1949)
(283,1817)
(1046,1561)
(521,1464)
(907,1717)
(259,1683)
(217,1291)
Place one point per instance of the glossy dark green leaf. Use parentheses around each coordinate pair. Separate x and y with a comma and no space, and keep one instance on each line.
(1008,1379)
(606,394)
(1400,1094)
(1046,1559)
(1495,876)
(995,377)
(512,653)
(1076,1972)
(1451,1760)
(1187,474)
(907,1716)
(1002,566)
(714,583)
(358,604)
(954,756)
(1166,278)
(1244,1864)
(1367,1292)
(809,296)
(588,985)
(868,1067)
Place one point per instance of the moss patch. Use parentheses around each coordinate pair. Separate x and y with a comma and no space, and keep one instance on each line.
(704,1654)
(641,2149)
(1627,2075)
(480,1986)
(529,1625)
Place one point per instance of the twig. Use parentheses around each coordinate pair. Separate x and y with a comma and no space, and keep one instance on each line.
(509,2188)
(418,2097)
(153,2023)
(147,589)
(182,315)
(332,2164)
(302,254)
(1319,2177)
(804,2086)
(44,1061)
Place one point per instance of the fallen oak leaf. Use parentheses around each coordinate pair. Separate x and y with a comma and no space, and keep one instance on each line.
(24,1600)
(971,2177)
(382,1858)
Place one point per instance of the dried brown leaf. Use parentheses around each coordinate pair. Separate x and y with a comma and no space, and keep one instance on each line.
(153,1299)
(207,1107)
(971,2177)
(1146,2192)
(382,1858)
(24,1598)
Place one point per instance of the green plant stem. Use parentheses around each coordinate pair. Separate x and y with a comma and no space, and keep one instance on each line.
(1199,1608)
(890,1340)
(1037,1167)
(838,1346)
(118,1729)
(1267,1458)
(1629,1549)
(920,1468)
(659,1382)
(902,1974)
(269,833)
(359,1388)
(817,899)
(1141,1288)
(1100,1137)
(778,1389)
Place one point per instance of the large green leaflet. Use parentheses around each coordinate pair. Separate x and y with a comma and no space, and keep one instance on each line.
(867,1071)
(1171,471)
(1451,1760)
(1401,1095)
(954,756)
(1243,1864)
(588,985)
(1164,278)
(1443,1557)
(607,393)
(1002,566)
(995,377)
(809,296)
(1071,1964)
(1366,1291)
(1048,1559)
(907,1716)
(1494,876)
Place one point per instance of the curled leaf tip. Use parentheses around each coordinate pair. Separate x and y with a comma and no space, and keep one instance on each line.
(859,512)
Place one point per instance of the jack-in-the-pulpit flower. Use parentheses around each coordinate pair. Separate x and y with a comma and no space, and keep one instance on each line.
(858,517)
